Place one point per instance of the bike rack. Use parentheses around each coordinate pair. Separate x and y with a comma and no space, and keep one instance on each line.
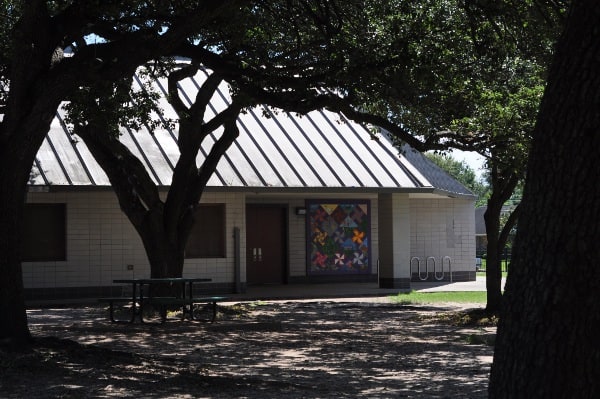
(427,265)
(449,265)
(435,273)
(419,268)
(439,275)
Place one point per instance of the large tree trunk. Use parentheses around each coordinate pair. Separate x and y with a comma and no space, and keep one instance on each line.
(16,157)
(493,272)
(13,318)
(30,107)
(165,250)
(548,344)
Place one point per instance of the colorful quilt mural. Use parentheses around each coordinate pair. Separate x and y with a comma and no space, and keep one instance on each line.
(339,237)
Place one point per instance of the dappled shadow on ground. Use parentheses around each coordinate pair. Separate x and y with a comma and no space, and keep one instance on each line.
(291,349)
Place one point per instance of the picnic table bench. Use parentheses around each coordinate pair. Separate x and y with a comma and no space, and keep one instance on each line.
(185,300)
(186,305)
(111,306)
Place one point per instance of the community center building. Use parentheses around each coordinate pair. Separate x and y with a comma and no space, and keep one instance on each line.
(296,199)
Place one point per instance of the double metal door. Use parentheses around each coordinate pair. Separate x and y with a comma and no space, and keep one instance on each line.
(266,244)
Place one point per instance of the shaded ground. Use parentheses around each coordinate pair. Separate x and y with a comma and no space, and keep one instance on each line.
(291,349)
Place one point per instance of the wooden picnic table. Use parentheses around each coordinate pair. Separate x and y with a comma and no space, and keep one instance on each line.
(182,297)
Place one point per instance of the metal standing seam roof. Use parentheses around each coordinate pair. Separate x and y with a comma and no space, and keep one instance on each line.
(275,150)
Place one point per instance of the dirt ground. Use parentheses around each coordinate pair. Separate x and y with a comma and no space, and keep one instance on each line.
(368,348)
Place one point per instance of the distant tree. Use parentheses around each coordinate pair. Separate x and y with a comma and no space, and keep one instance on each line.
(463,173)
(475,84)
(505,114)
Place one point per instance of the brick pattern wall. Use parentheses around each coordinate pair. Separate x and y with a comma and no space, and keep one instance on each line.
(101,243)
(444,227)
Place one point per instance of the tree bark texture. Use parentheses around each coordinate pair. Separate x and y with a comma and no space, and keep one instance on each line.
(493,272)
(30,107)
(548,344)
(17,153)
(139,199)
(13,325)
(503,185)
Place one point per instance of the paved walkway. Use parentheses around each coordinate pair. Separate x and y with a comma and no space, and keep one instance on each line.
(349,290)
(477,285)
(313,291)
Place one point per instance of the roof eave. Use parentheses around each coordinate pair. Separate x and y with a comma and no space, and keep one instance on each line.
(272,190)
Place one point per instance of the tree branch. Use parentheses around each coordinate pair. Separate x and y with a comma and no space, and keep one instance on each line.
(508,187)
(430,143)
(304,104)
(231,70)
(111,60)
(230,133)
(205,94)
(135,189)
(173,80)
(508,226)
(221,118)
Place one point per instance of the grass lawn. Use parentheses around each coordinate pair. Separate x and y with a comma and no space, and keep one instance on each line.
(504,264)
(483,274)
(478,317)
(415,297)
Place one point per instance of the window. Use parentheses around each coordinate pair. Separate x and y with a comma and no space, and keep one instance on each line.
(207,238)
(44,233)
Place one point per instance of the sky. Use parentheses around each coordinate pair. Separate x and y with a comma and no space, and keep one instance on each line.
(474,160)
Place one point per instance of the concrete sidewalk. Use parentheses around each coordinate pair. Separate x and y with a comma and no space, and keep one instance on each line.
(314,291)
(348,290)
(477,285)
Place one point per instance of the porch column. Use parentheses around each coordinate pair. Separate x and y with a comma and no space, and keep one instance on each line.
(394,241)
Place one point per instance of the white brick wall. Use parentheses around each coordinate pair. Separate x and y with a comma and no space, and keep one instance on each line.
(101,242)
(443,227)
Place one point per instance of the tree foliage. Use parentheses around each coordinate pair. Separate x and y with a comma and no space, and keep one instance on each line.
(463,173)
(480,85)
(465,51)
(327,56)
